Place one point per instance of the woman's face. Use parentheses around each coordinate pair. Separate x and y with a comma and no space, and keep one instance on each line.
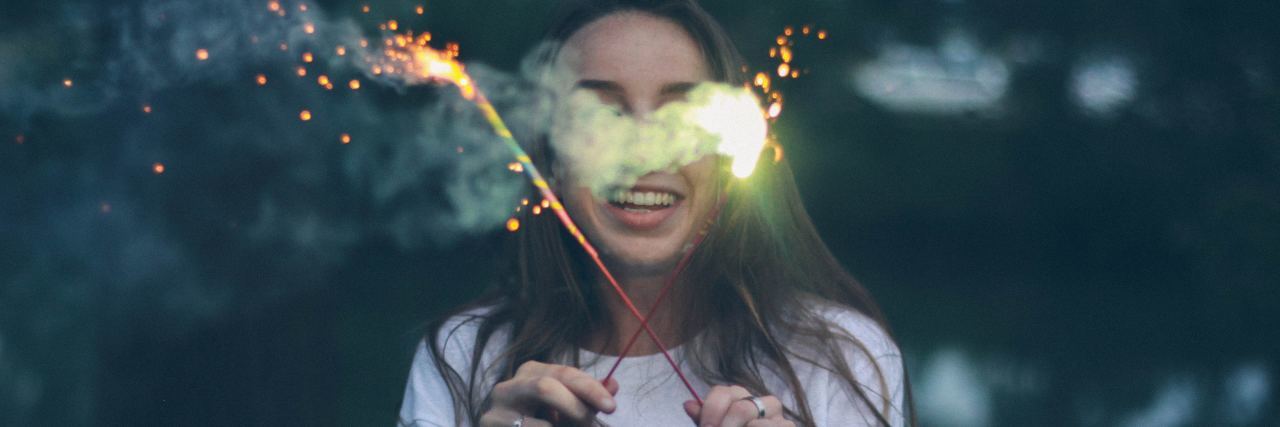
(639,62)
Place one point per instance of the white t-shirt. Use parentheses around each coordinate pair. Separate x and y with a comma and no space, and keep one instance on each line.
(651,394)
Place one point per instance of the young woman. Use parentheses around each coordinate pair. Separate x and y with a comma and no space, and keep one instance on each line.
(770,328)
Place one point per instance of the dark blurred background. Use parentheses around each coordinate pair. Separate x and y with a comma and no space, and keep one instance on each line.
(1070,211)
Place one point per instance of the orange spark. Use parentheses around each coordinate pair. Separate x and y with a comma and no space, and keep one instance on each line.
(364,43)
(157,168)
(146,108)
(537,210)
(775,109)
(513,224)
(524,202)
(273,6)
(786,53)
(302,71)
(822,34)
(284,46)
(784,69)
(66,82)
(805,30)
(515,167)
(546,203)
(393,25)
(302,7)
(307,57)
(305,115)
(354,84)
(420,10)
(309,28)
(323,80)
(261,79)
(787,31)
(202,54)
(364,9)
(345,138)
(782,40)
(340,50)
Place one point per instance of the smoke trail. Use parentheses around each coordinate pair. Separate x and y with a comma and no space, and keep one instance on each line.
(149,175)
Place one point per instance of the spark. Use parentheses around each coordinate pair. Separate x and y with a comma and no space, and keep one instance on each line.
(537,210)
(307,57)
(157,168)
(261,79)
(420,9)
(805,30)
(787,31)
(524,202)
(341,50)
(323,80)
(393,25)
(545,203)
(302,7)
(354,84)
(513,224)
(784,69)
(146,108)
(302,71)
(822,34)
(305,115)
(202,54)
(345,139)
(273,6)
(66,82)
(284,46)
(515,167)
(364,9)
(782,40)
(309,28)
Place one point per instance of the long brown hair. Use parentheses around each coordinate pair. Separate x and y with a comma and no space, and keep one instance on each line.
(754,279)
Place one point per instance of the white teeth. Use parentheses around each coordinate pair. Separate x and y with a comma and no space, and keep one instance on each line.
(643,198)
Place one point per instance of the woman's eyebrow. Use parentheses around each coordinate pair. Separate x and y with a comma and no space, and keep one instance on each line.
(678,88)
(600,85)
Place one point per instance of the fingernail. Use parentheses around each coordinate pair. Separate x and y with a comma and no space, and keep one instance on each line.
(609,404)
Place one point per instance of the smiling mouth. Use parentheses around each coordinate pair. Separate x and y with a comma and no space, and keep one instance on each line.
(643,201)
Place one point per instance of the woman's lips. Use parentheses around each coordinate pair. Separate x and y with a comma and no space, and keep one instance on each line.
(643,209)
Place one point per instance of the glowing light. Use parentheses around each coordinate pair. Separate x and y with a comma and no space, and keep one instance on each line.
(66,82)
(515,167)
(364,9)
(787,31)
(302,71)
(309,28)
(146,108)
(822,34)
(345,138)
(524,202)
(393,25)
(323,80)
(202,54)
(805,30)
(785,51)
(354,84)
(284,46)
(307,57)
(784,69)
(157,168)
(513,224)
(420,9)
(340,50)
(545,203)
(302,7)
(273,6)
(364,43)
(782,40)
(305,115)
(537,210)
(261,79)
(775,109)
(737,120)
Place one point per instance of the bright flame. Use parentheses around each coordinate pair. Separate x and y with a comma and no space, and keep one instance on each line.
(736,119)
(413,58)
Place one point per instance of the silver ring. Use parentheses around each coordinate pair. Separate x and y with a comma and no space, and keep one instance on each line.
(759,405)
(519,422)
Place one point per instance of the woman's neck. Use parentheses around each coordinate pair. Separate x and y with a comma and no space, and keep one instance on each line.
(644,292)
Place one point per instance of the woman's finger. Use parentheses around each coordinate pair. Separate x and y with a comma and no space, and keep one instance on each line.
(692,408)
(501,417)
(552,393)
(716,405)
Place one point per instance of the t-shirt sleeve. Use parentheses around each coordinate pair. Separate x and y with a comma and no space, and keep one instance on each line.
(427,399)
(878,371)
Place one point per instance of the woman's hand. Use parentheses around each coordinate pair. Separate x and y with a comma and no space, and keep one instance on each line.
(730,406)
(561,393)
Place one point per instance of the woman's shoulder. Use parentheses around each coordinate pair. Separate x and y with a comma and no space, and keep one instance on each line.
(868,332)
(455,337)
